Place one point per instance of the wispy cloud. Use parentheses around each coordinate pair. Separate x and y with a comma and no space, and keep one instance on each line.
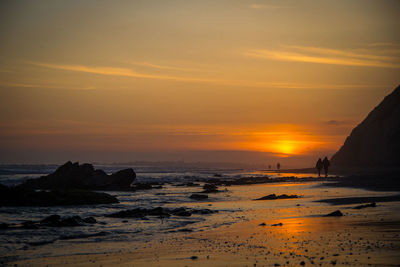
(112,71)
(162,67)
(29,85)
(367,58)
(125,72)
(268,7)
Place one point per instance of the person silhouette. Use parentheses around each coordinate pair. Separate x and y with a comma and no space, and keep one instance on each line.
(278,166)
(318,166)
(326,164)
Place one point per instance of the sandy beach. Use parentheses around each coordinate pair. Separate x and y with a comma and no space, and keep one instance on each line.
(282,232)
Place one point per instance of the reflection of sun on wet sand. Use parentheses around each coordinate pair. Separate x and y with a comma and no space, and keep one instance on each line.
(259,233)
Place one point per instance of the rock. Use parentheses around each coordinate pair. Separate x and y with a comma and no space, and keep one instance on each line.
(371,205)
(198,196)
(277,224)
(184,230)
(210,188)
(134,213)
(375,142)
(52,220)
(142,186)
(79,236)
(56,221)
(29,225)
(159,212)
(274,197)
(302,263)
(139,213)
(123,178)
(89,220)
(194,258)
(189,184)
(262,224)
(73,175)
(41,243)
(336,213)
(72,221)
(21,196)
(181,212)
(204,211)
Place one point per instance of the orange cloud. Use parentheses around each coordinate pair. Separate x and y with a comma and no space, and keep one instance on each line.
(326,56)
(126,72)
(116,72)
(163,67)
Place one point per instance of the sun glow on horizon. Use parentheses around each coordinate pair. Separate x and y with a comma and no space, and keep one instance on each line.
(286,147)
(286,140)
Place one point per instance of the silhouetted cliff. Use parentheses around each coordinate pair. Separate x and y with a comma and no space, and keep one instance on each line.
(375,142)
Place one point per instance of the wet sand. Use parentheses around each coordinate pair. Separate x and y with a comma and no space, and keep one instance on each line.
(302,235)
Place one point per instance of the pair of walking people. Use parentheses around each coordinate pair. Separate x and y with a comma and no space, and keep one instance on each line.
(322,164)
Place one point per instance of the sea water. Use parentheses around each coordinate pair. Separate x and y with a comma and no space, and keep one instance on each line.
(232,204)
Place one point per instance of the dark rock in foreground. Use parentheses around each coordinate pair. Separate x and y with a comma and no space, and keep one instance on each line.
(336,213)
(54,221)
(274,197)
(371,205)
(243,181)
(57,221)
(141,213)
(84,176)
(198,196)
(79,236)
(142,186)
(204,211)
(16,196)
(210,188)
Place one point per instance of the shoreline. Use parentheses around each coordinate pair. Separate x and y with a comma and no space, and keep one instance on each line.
(264,233)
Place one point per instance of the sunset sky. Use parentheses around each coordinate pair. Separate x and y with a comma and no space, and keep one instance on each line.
(219,80)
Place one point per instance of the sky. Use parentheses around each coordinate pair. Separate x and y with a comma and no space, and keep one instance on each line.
(255,82)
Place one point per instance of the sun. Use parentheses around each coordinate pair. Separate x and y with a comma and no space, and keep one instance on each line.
(285,147)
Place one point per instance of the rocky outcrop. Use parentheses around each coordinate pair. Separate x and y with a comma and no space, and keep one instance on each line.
(84,176)
(336,213)
(141,213)
(274,197)
(375,142)
(198,196)
(17,196)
